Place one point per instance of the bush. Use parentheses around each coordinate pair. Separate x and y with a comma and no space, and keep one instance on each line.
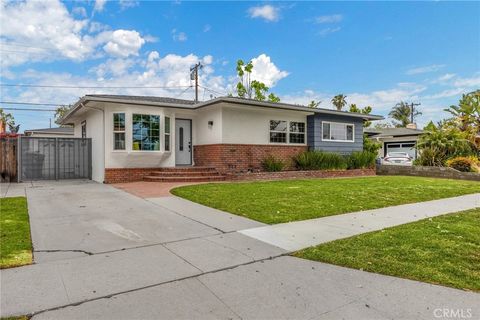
(361,160)
(318,160)
(272,164)
(464,164)
(370,145)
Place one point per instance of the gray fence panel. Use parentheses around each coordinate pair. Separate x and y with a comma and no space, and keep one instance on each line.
(55,158)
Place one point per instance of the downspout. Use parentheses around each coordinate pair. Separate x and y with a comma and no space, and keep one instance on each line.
(103,140)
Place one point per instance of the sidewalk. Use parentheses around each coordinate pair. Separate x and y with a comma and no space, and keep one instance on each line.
(294,236)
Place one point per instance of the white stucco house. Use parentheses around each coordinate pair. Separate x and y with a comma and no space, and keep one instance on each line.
(132,135)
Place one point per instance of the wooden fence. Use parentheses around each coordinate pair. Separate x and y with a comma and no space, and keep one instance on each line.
(8,159)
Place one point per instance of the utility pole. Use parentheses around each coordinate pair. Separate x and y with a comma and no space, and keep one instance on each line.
(194,76)
(412,110)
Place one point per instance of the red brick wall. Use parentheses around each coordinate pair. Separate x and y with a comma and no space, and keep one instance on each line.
(119,175)
(302,174)
(242,157)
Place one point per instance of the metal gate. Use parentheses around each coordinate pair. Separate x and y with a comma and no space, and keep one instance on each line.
(55,158)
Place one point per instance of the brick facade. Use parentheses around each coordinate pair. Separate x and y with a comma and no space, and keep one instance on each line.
(301,174)
(232,158)
(119,175)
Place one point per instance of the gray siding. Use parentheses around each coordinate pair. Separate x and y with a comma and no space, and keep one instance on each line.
(314,134)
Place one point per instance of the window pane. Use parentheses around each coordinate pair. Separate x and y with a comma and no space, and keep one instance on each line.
(350,133)
(277,125)
(119,121)
(297,137)
(297,126)
(326,131)
(145,132)
(119,141)
(167,142)
(278,137)
(167,125)
(337,131)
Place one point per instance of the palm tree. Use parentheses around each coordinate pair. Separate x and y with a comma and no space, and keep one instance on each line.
(339,101)
(402,114)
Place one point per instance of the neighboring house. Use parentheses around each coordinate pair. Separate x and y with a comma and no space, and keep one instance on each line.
(395,140)
(60,132)
(133,135)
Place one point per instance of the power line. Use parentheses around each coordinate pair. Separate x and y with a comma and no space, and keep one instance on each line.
(33,103)
(29,109)
(87,87)
(211,90)
(181,93)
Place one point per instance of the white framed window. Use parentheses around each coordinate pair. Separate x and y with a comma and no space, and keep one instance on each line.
(282,131)
(297,132)
(167,133)
(338,131)
(145,132)
(119,131)
(278,131)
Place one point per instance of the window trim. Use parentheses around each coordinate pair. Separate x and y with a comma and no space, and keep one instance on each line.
(287,132)
(167,134)
(342,123)
(159,133)
(277,131)
(119,131)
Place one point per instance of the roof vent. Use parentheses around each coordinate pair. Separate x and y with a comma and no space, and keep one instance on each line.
(412,126)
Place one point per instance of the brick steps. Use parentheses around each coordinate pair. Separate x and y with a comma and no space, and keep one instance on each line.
(184,174)
(184,178)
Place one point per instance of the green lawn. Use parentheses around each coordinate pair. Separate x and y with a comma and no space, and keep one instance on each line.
(15,242)
(443,250)
(291,200)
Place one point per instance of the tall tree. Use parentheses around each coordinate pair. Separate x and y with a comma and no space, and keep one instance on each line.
(339,101)
(8,120)
(466,116)
(314,104)
(366,110)
(60,112)
(252,89)
(401,112)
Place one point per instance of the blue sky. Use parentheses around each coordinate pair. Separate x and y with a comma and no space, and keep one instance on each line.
(376,53)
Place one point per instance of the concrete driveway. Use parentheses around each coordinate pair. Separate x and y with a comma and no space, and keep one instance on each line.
(101,253)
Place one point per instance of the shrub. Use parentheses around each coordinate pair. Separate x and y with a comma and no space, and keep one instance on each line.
(370,145)
(318,160)
(272,164)
(361,160)
(464,164)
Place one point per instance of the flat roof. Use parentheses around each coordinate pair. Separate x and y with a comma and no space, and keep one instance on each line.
(191,105)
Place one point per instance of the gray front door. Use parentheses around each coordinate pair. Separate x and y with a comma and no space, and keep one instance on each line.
(183,142)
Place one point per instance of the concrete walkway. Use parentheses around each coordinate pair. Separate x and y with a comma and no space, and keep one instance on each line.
(101,253)
(8,190)
(294,236)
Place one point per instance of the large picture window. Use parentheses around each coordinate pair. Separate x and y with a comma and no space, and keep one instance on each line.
(337,131)
(119,131)
(278,131)
(145,132)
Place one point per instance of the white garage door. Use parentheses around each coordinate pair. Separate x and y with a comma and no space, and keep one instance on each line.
(408,147)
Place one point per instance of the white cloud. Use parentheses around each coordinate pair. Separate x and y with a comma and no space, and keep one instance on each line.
(179,36)
(425,69)
(99,5)
(468,82)
(446,93)
(124,43)
(446,77)
(264,70)
(126,4)
(326,31)
(334,18)
(80,11)
(27,36)
(266,12)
